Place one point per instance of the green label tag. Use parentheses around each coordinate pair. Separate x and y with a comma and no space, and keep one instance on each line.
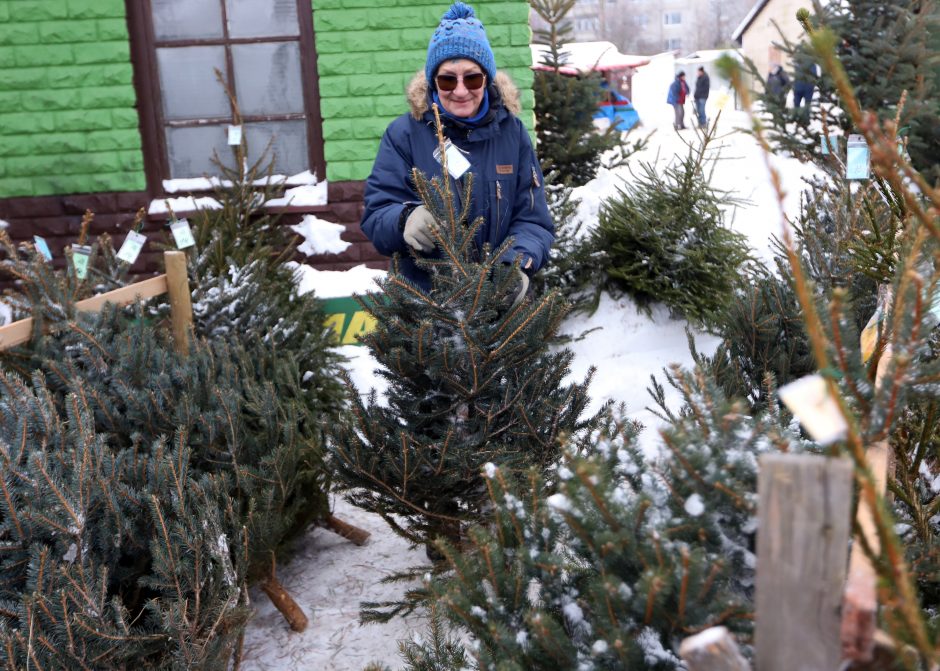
(347,319)
(130,250)
(183,234)
(81,255)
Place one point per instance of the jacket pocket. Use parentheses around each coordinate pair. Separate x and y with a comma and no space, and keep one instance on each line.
(501,198)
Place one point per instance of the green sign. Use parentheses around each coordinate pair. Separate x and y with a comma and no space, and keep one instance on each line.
(347,319)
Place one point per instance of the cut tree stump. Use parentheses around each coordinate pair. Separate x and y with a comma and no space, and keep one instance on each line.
(713,650)
(346,530)
(285,603)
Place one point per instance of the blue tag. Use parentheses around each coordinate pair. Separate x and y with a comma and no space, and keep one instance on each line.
(42,247)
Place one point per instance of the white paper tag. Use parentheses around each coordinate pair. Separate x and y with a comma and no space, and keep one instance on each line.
(42,247)
(457,163)
(234,134)
(810,402)
(130,250)
(182,233)
(81,255)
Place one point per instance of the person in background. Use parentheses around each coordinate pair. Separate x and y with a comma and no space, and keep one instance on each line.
(702,86)
(805,77)
(778,84)
(478,108)
(678,91)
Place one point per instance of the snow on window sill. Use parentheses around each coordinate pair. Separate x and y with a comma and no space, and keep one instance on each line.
(307,194)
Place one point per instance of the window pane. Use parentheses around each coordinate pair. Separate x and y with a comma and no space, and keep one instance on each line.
(289,148)
(250,18)
(186,19)
(188,83)
(190,150)
(267,78)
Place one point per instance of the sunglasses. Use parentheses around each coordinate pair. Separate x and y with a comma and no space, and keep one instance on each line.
(449,82)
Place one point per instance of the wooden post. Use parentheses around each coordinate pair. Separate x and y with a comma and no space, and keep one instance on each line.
(181,304)
(860,602)
(802,542)
(713,650)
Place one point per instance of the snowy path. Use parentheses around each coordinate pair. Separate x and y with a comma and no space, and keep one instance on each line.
(328,577)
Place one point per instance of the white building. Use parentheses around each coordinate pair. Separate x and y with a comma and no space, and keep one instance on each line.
(653,26)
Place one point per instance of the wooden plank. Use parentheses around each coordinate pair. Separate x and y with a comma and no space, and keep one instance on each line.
(16,333)
(181,300)
(713,650)
(860,602)
(802,543)
(124,295)
(19,332)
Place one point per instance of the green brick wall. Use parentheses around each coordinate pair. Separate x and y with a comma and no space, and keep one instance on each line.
(67,117)
(368,51)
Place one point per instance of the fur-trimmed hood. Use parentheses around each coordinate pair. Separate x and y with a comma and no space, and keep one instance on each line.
(417,93)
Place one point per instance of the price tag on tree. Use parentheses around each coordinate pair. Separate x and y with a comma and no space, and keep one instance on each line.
(857,158)
(234,134)
(182,233)
(130,250)
(829,145)
(81,255)
(811,403)
(42,247)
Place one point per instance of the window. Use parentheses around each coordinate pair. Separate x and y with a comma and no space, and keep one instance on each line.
(265,52)
(641,20)
(672,44)
(672,18)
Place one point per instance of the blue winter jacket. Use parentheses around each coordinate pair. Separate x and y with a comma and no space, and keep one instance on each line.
(674,92)
(508,189)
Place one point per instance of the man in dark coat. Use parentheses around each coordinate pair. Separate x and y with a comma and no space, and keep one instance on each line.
(702,86)
(678,91)
(778,85)
(478,107)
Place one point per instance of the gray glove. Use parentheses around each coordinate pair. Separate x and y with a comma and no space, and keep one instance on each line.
(417,232)
(523,288)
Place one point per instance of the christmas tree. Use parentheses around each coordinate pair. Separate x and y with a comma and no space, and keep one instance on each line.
(664,239)
(470,381)
(113,556)
(570,147)
(611,564)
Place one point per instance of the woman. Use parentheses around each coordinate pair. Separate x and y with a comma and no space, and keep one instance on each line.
(477,106)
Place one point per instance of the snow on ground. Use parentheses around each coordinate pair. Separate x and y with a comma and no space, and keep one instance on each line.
(329,576)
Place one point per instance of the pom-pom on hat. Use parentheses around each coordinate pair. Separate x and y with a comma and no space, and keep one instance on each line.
(460,35)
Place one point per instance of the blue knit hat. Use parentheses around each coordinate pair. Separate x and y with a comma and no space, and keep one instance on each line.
(460,35)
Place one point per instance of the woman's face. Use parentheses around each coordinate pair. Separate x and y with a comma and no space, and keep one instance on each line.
(461,102)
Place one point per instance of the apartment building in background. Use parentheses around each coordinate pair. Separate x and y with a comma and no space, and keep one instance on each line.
(654,26)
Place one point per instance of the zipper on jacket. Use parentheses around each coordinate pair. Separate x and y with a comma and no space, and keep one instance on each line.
(533,187)
(499,198)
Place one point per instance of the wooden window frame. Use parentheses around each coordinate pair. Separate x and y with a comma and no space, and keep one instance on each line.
(144,46)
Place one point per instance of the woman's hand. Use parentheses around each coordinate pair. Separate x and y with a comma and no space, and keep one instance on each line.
(417,231)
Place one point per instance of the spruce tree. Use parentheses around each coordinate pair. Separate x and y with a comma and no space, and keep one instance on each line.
(569,144)
(664,239)
(114,557)
(612,562)
(470,381)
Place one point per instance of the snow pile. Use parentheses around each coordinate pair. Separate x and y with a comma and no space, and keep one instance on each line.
(320,237)
(336,283)
(4,224)
(306,195)
(182,204)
